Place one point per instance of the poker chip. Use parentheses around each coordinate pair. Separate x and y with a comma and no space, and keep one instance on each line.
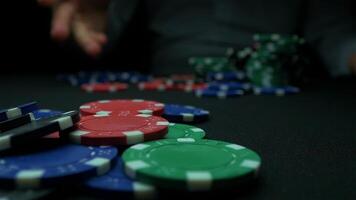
(84,77)
(135,106)
(36,129)
(278,91)
(47,165)
(116,182)
(189,164)
(104,87)
(45,113)
(183,113)
(16,122)
(226,76)
(203,65)
(176,131)
(222,94)
(132,77)
(224,86)
(155,85)
(118,130)
(18,111)
(189,87)
(76,80)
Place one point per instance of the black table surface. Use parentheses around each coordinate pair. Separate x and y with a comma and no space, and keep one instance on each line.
(307,142)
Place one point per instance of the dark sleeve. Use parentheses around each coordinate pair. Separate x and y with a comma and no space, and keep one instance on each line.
(119,15)
(330,28)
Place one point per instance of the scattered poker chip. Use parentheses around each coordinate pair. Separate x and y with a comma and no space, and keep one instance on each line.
(116,182)
(16,122)
(278,91)
(84,77)
(229,86)
(222,94)
(189,164)
(118,130)
(132,77)
(18,111)
(75,80)
(155,85)
(225,76)
(104,87)
(134,106)
(176,131)
(45,113)
(183,113)
(189,87)
(47,165)
(37,129)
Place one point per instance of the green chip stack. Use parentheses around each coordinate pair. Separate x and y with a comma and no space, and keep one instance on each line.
(266,65)
(203,65)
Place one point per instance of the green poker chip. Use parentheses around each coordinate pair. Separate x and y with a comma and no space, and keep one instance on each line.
(176,131)
(189,164)
(203,65)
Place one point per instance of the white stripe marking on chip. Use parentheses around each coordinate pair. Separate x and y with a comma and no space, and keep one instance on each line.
(132,166)
(250,164)
(133,137)
(29,178)
(102,164)
(199,180)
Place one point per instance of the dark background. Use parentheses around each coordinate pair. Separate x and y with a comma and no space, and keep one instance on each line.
(26,43)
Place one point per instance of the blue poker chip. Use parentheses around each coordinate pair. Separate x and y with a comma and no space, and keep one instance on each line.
(16,122)
(11,113)
(222,94)
(278,91)
(31,130)
(84,77)
(229,86)
(48,164)
(226,76)
(75,80)
(115,182)
(132,77)
(45,113)
(183,113)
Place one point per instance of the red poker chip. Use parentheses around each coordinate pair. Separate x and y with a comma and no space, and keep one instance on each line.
(104,87)
(189,87)
(133,106)
(159,85)
(118,130)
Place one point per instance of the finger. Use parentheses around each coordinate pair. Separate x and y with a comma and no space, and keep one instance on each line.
(86,40)
(101,38)
(62,19)
(46,3)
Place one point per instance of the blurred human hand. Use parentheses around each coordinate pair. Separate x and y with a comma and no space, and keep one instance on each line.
(85,19)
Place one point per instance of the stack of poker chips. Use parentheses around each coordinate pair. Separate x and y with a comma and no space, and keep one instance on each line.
(120,148)
(266,65)
(202,65)
(33,163)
